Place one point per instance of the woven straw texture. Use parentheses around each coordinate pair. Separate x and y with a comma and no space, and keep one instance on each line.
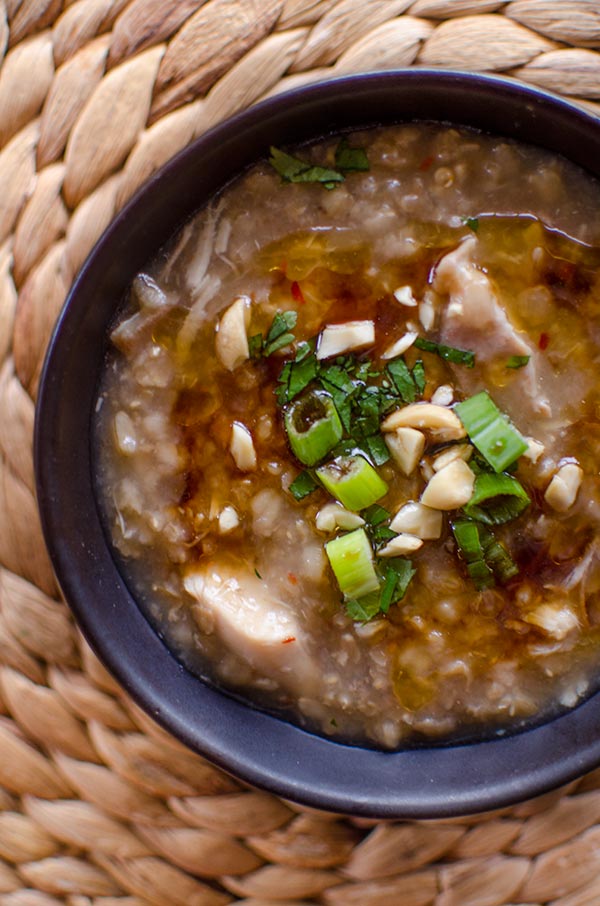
(97,805)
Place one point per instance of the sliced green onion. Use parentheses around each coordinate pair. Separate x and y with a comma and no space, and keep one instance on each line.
(495,437)
(496,499)
(487,560)
(448,353)
(469,545)
(313,426)
(353,481)
(351,560)
(303,485)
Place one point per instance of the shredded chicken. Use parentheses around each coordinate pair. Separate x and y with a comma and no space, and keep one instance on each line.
(474,318)
(252,623)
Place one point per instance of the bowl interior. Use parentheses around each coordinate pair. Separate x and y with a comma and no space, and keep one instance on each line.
(260,748)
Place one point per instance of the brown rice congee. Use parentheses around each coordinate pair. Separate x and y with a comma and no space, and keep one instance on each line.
(348,436)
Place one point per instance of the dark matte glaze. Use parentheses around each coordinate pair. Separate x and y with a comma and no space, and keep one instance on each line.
(261,749)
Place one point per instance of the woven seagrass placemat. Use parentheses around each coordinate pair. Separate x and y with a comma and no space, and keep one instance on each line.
(97,805)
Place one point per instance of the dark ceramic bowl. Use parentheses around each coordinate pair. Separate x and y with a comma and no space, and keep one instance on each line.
(260,748)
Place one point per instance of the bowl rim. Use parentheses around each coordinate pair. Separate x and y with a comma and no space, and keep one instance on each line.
(259,748)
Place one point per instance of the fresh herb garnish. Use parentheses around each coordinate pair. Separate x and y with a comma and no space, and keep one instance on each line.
(376,449)
(497,498)
(303,485)
(418,375)
(279,335)
(350,160)
(396,577)
(294,169)
(490,431)
(448,353)
(376,514)
(487,560)
(364,609)
(517,361)
(403,379)
(472,223)
(257,574)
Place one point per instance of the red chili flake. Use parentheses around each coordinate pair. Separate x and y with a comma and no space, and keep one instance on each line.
(297,295)
(426,163)
(292,579)
(543,341)
(290,638)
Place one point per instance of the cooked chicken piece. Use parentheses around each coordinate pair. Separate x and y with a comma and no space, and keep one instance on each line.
(134,333)
(253,623)
(474,318)
(231,341)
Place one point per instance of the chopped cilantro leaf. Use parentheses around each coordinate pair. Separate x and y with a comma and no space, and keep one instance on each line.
(348,159)
(376,514)
(303,485)
(377,449)
(418,376)
(387,592)
(293,169)
(403,380)
(284,340)
(381,534)
(448,353)
(283,321)
(404,572)
(363,609)
(300,375)
(517,361)
(472,223)
(255,345)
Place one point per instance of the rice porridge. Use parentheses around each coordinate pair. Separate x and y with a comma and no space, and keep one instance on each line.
(348,436)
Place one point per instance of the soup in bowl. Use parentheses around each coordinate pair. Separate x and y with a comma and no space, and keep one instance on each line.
(343,430)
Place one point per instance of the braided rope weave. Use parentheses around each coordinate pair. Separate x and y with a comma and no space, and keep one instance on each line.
(97,805)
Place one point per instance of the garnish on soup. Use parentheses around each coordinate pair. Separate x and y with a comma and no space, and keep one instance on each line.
(349,439)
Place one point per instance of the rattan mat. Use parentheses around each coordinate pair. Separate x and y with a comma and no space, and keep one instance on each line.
(97,805)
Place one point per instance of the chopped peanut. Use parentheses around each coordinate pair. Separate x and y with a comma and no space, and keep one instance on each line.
(401,544)
(562,490)
(443,423)
(419,520)
(458,451)
(401,345)
(336,339)
(406,446)
(450,488)
(242,448)
(404,295)
(334,515)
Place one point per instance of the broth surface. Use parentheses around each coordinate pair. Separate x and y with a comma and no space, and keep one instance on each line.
(464,240)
